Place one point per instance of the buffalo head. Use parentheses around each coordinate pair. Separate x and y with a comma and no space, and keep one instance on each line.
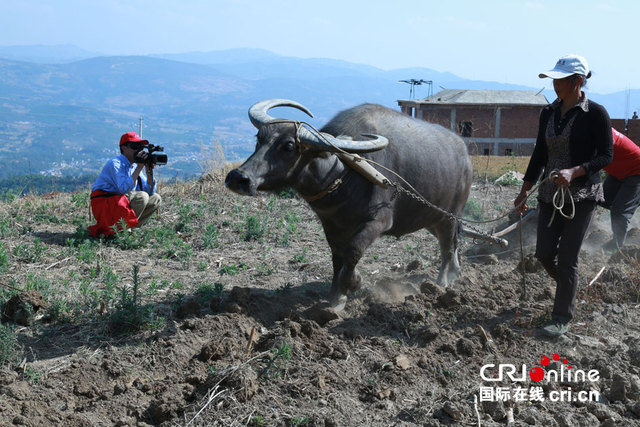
(286,148)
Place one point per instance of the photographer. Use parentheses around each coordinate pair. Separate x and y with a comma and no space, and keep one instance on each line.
(122,191)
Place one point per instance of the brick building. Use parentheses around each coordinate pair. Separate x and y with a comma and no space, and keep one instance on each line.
(492,122)
(631,128)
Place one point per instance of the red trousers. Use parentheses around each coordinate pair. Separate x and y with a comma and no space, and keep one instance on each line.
(109,209)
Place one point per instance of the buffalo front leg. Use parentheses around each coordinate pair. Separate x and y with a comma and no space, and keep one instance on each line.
(345,277)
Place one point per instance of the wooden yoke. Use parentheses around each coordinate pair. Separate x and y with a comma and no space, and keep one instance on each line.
(363,167)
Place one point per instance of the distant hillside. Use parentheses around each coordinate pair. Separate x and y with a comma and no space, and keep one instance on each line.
(46,54)
(66,117)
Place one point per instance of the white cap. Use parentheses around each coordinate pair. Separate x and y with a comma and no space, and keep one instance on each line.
(567,66)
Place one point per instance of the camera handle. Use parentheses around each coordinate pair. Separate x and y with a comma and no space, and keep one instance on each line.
(150,177)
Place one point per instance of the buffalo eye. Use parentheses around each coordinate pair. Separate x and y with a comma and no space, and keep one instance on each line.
(288,145)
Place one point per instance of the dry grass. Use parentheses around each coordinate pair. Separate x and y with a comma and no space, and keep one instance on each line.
(491,167)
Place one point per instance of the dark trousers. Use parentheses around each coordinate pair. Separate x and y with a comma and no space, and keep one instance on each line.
(557,248)
(623,198)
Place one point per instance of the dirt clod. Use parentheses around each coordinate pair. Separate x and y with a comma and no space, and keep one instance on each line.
(22,307)
(322,314)
(189,307)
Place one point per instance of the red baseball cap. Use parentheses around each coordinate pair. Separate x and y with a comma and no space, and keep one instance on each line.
(132,137)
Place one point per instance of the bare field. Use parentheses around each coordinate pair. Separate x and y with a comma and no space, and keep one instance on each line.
(212,315)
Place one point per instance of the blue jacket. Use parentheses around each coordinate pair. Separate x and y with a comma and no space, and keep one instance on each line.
(116,177)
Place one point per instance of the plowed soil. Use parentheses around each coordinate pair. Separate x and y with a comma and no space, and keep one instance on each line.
(243,336)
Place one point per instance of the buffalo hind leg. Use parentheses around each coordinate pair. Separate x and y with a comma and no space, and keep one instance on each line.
(447,234)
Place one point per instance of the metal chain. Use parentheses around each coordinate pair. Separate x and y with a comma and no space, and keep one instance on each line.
(453,218)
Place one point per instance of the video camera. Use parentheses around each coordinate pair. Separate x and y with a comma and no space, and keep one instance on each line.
(158,159)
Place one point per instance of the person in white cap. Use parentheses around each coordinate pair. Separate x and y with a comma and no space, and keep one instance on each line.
(574,143)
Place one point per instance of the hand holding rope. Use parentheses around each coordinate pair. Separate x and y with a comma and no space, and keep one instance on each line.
(558,199)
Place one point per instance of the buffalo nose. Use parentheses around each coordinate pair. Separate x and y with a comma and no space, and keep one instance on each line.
(237,179)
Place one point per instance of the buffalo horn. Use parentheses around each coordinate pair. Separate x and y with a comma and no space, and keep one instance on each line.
(259,117)
(258,111)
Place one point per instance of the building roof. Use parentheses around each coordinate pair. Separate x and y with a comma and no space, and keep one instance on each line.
(499,97)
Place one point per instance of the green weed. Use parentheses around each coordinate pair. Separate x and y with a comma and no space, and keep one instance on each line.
(185,217)
(254,229)
(7,229)
(257,421)
(280,355)
(4,259)
(82,230)
(29,253)
(37,283)
(130,315)
(59,311)
(177,285)
(301,258)
(264,269)
(170,245)
(299,421)
(129,238)
(233,269)
(473,209)
(205,292)
(31,375)
(87,251)
(290,224)
(284,288)
(10,348)
(287,193)
(80,199)
(43,214)
(210,237)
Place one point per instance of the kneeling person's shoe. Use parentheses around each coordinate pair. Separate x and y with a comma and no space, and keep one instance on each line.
(556,329)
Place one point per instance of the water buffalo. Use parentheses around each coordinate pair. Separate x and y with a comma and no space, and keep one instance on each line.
(354,211)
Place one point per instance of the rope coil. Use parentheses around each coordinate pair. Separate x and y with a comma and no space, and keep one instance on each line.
(558,200)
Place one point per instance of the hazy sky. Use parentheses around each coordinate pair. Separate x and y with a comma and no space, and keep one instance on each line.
(508,41)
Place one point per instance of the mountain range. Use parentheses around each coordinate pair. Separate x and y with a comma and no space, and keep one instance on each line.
(63,109)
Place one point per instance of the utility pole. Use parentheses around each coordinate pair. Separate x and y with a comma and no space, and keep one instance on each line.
(140,127)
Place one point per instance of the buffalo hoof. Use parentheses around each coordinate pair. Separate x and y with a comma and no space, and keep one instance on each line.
(353,284)
(338,302)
